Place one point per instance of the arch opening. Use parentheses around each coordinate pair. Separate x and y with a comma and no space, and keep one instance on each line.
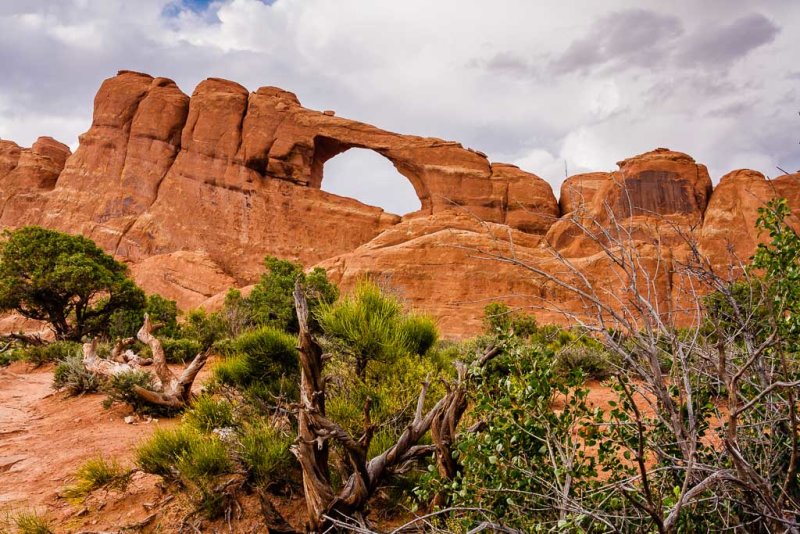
(370,178)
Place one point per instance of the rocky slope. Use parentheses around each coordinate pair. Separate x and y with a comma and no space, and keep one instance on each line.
(193,192)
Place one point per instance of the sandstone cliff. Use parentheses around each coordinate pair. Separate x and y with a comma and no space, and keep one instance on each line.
(193,192)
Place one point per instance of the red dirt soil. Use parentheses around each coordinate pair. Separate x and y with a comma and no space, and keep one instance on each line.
(46,435)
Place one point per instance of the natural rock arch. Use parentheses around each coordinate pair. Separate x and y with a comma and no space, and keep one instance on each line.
(326,148)
(372,179)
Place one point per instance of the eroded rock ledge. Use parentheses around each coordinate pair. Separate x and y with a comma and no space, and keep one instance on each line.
(195,191)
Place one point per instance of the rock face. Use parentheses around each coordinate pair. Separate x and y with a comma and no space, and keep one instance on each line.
(26,173)
(194,192)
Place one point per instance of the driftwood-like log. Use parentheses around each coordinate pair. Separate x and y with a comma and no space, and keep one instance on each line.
(170,390)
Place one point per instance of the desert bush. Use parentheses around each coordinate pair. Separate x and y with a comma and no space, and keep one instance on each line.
(265,452)
(263,356)
(371,326)
(71,375)
(202,327)
(120,389)
(232,371)
(271,302)
(126,322)
(590,362)
(208,413)
(52,352)
(180,350)
(420,333)
(204,459)
(10,356)
(160,454)
(512,470)
(31,522)
(500,318)
(94,474)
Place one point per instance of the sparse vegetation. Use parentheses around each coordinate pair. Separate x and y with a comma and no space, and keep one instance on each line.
(38,355)
(120,388)
(71,375)
(209,413)
(161,453)
(701,431)
(30,522)
(94,474)
(265,452)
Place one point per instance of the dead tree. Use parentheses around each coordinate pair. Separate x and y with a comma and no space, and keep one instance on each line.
(171,390)
(316,431)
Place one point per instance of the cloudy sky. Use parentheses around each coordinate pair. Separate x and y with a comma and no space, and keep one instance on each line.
(540,83)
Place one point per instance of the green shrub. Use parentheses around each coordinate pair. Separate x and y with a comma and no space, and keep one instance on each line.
(371,326)
(97,473)
(180,350)
(500,318)
(265,452)
(120,389)
(262,356)
(204,328)
(232,371)
(10,356)
(125,323)
(31,522)
(419,332)
(208,413)
(70,374)
(270,353)
(592,362)
(205,458)
(160,454)
(52,352)
(271,303)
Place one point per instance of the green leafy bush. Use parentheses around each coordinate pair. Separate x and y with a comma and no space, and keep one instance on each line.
(500,318)
(202,327)
(71,375)
(370,325)
(271,302)
(232,371)
(126,322)
(509,468)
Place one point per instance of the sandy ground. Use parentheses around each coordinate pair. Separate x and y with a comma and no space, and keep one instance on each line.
(45,436)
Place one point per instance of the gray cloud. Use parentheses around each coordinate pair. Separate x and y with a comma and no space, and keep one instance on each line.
(631,37)
(720,45)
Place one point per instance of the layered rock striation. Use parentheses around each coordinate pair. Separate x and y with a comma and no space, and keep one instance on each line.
(194,191)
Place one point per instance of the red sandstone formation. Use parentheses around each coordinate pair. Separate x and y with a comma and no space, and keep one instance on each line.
(194,192)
